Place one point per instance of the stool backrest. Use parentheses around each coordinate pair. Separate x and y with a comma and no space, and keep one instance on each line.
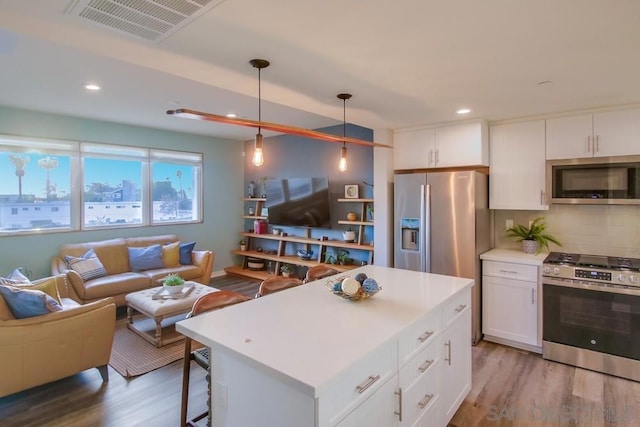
(216,300)
(277,284)
(319,272)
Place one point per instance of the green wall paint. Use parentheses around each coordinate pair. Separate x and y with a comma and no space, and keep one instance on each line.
(223,177)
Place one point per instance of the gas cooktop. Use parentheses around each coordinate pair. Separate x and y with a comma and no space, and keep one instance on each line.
(593,261)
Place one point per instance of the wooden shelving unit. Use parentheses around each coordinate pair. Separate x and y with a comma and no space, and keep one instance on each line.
(281,256)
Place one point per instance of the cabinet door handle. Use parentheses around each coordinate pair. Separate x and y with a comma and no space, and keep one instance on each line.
(425,336)
(460,308)
(399,411)
(368,383)
(425,401)
(596,145)
(589,144)
(430,157)
(437,156)
(448,358)
(542,198)
(425,365)
(533,296)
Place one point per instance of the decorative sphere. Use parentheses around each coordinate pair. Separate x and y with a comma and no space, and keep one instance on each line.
(337,287)
(351,216)
(360,277)
(350,286)
(370,285)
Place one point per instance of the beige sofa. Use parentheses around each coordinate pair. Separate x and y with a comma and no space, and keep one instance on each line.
(41,349)
(120,280)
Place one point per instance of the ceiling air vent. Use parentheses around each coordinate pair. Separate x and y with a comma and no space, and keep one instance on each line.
(152,20)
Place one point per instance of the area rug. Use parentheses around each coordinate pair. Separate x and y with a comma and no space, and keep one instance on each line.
(131,355)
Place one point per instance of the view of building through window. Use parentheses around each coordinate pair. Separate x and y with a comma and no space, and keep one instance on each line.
(37,191)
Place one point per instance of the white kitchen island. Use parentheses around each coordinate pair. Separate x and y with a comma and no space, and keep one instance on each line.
(306,357)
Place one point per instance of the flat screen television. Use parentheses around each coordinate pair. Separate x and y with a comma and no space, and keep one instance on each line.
(301,202)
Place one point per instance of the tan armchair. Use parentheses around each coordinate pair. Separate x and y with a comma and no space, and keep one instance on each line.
(41,349)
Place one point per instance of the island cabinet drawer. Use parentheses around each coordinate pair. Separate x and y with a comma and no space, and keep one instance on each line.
(416,337)
(421,396)
(509,270)
(425,362)
(456,306)
(355,384)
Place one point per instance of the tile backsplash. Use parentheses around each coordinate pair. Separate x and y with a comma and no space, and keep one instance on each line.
(597,230)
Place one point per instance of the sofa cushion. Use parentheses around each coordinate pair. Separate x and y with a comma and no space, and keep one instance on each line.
(25,303)
(145,258)
(5,311)
(88,266)
(115,284)
(112,253)
(162,239)
(185,253)
(171,254)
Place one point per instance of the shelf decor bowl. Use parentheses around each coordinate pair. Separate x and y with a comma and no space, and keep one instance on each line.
(304,254)
(334,285)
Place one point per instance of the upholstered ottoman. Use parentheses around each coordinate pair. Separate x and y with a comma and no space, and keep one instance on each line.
(159,309)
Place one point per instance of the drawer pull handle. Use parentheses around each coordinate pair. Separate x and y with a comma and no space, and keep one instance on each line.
(368,383)
(425,336)
(460,308)
(448,358)
(508,272)
(425,365)
(425,401)
(399,411)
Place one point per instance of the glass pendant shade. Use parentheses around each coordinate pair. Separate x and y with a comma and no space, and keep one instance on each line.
(258,157)
(342,166)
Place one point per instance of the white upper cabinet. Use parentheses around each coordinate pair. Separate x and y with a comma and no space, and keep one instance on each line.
(448,146)
(517,179)
(612,133)
(414,149)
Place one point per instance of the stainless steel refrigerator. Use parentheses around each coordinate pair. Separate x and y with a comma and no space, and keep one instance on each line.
(441,225)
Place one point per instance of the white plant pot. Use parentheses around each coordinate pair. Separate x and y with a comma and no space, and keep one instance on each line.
(349,236)
(530,246)
(174,289)
(243,247)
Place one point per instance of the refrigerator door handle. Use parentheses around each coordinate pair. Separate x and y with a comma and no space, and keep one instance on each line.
(425,224)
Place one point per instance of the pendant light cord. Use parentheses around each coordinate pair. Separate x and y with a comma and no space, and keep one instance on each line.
(344,121)
(259,99)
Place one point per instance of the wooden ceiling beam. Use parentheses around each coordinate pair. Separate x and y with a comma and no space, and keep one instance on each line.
(289,130)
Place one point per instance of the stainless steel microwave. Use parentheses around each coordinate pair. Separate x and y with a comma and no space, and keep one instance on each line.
(598,180)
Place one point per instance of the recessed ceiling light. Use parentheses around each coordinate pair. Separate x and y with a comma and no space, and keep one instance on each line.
(92,86)
(463,111)
(232,115)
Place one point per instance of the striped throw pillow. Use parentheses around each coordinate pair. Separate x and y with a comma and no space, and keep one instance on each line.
(88,266)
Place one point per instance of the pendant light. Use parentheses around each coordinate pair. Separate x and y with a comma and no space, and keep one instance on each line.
(258,156)
(342,165)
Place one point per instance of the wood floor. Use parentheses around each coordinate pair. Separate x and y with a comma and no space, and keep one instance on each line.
(510,388)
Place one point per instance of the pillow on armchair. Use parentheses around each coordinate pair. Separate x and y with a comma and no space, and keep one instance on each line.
(25,303)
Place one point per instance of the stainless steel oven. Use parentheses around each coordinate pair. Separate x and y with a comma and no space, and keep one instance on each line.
(591,313)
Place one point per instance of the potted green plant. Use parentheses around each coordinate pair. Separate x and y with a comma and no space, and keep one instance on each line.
(329,258)
(343,257)
(533,238)
(243,245)
(286,270)
(173,283)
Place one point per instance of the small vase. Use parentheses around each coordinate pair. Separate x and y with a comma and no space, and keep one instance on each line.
(530,246)
(243,247)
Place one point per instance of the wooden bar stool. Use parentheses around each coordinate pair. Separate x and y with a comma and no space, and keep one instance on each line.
(209,302)
(319,272)
(277,284)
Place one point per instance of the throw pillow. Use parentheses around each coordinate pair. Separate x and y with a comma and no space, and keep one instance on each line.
(18,277)
(185,253)
(88,266)
(25,303)
(171,254)
(146,258)
(47,286)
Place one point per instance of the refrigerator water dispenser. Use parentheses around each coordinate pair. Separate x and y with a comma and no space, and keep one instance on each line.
(410,234)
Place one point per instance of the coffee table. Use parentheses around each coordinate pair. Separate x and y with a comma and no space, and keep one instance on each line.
(159,310)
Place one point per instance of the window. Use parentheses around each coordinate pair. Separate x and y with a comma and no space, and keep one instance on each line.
(176,186)
(119,185)
(36,174)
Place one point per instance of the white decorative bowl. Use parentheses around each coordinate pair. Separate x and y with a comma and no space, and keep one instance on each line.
(174,289)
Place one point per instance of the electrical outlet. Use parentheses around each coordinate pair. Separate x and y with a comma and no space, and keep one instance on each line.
(508,224)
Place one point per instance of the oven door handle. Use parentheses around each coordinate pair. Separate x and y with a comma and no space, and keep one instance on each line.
(568,283)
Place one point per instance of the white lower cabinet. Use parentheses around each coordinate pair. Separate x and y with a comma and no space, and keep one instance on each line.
(378,410)
(510,304)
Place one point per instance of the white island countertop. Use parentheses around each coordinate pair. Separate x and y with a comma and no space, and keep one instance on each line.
(306,335)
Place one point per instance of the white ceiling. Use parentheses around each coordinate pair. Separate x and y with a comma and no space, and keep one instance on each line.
(406,62)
